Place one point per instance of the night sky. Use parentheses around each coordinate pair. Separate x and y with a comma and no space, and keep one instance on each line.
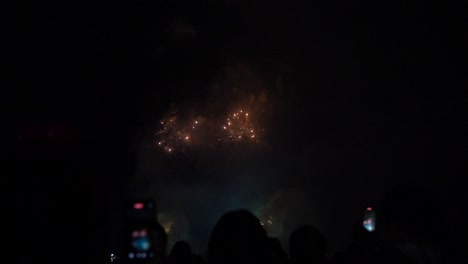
(355,98)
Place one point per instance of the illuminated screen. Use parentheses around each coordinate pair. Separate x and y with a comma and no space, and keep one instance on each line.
(369,220)
(141,240)
(140,232)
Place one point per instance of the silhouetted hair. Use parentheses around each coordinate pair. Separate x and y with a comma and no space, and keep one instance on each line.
(237,237)
(307,245)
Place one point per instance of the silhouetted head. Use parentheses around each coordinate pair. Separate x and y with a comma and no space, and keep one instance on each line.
(278,253)
(307,245)
(160,242)
(181,253)
(197,259)
(238,237)
(408,213)
(181,248)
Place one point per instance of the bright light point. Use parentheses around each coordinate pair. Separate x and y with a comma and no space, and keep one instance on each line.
(239,136)
(229,123)
(193,127)
(224,127)
(159,143)
(253,136)
(170,150)
(369,227)
(246,114)
(196,122)
(241,111)
(369,208)
(186,137)
(251,130)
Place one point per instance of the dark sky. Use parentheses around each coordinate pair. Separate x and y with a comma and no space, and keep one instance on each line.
(370,96)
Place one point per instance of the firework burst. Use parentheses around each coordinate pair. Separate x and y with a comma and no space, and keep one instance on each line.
(239,126)
(175,135)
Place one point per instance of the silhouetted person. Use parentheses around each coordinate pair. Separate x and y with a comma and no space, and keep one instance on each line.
(238,237)
(407,221)
(160,243)
(279,254)
(181,253)
(197,259)
(307,245)
(365,249)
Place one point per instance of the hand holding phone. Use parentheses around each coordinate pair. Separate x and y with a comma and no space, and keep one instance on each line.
(140,232)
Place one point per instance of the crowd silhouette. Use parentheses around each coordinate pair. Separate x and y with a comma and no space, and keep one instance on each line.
(408,232)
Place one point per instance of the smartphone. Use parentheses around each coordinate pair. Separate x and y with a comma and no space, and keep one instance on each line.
(369,219)
(140,231)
